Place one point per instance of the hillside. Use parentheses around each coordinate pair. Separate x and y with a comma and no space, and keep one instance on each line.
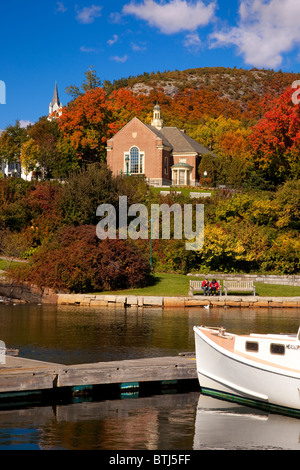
(244,88)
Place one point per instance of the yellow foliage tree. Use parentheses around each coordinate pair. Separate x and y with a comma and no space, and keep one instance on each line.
(29,156)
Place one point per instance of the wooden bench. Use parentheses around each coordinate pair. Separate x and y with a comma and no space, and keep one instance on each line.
(238,286)
(196,286)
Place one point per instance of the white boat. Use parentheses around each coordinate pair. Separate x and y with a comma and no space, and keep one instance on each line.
(253,369)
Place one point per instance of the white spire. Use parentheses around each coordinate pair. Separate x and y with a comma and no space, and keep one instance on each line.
(55,105)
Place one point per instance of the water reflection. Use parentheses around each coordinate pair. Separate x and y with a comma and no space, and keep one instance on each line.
(187,421)
(224,425)
(74,335)
(149,423)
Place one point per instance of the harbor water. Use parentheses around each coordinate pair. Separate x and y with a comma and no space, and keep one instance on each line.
(169,421)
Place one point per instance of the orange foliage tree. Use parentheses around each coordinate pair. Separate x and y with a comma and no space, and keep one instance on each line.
(93,118)
(87,122)
(275,140)
(124,106)
(194,104)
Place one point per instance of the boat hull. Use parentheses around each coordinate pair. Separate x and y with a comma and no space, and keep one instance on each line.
(234,378)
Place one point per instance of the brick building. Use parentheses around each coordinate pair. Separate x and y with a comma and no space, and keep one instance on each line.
(164,155)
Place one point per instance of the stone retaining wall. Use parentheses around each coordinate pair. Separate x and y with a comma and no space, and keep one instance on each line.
(286,280)
(173,302)
(26,292)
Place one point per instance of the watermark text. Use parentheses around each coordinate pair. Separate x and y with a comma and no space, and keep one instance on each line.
(136,222)
(2,92)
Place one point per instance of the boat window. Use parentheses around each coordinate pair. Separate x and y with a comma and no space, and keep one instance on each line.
(277,348)
(251,346)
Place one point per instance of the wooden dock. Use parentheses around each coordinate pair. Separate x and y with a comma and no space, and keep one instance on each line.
(20,377)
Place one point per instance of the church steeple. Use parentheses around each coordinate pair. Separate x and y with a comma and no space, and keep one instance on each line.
(157,121)
(55,105)
(55,95)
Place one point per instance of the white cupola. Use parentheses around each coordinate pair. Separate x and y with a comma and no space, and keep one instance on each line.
(157,121)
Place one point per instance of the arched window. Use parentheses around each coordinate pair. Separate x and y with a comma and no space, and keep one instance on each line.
(136,161)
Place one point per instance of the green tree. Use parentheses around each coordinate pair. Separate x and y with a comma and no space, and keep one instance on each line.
(209,164)
(11,142)
(57,158)
(91,81)
(84,191)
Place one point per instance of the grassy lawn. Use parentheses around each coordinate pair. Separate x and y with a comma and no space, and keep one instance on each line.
(178,285)
(5,263)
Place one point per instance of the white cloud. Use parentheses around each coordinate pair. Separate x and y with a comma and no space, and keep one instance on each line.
(173,16)
(138,47)
(60,8)
(87,49)
(88,14)
(115,17)
(122,59)
(25,124)
(113,40)
(267,30)
(192,41)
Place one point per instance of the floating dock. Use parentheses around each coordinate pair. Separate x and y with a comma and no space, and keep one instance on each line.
(22,378)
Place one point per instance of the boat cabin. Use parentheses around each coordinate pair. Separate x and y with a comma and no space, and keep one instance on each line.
(281,349)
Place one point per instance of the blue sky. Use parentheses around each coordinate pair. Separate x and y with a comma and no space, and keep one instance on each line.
(48,41)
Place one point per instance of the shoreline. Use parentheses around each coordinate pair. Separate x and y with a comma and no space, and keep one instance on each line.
(123,301)
(23,292)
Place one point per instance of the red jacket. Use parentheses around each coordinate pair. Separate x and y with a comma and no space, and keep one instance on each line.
(205,284)
(215,284)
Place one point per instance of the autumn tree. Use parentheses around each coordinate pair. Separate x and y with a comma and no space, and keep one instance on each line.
(149,100)
(90,120)
(275,140)
(76,260)
(11,142)
(45,135)
(56,156)
(91,81)
(228,140)
(194,104)
(87,123)
(29,156)
(84,191)
(124,106)
(13,245)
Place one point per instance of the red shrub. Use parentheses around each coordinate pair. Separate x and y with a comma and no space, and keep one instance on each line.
(78,261)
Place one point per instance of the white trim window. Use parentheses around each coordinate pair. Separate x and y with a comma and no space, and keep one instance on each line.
(135,161)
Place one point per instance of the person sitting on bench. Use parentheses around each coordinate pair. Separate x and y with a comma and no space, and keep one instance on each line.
(214,287)
(205,286)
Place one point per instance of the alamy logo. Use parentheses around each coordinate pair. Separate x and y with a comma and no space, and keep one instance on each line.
(295,98)
(2,92)
(142,224)
(2,352)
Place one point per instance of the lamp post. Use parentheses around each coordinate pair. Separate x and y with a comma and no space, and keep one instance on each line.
(205,175)
(127,164)
(151,261)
